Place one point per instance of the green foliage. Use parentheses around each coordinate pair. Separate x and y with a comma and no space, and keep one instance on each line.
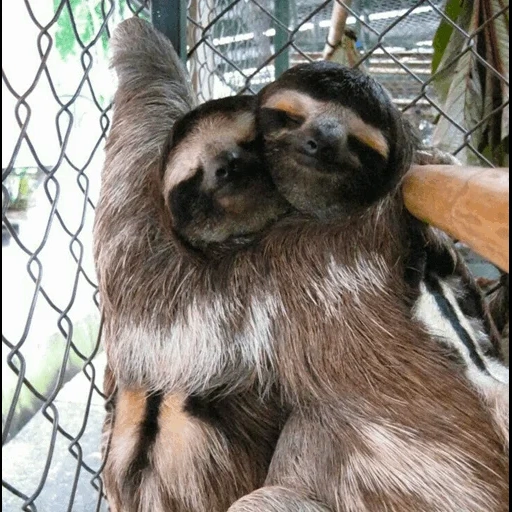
(21,184)
(88,19)
(470,93)
(65,37)
(445,30)
(81,23)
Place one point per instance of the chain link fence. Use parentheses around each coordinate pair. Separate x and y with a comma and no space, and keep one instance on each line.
(445,63)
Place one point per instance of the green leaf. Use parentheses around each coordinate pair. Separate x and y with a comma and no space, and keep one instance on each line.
(88,16)
(444,32)
(459,82)
(64,37)
(87,27)
(104,38)
(442,78)
(464,105)
(494,44)
(500,28)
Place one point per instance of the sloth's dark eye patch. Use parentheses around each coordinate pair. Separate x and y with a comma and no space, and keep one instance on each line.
(185,198)
(368,156)
(293,121)
(252,146)
(221,173)
(273,119)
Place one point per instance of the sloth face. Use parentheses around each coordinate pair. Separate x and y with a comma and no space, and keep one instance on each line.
(334,142)
(216,185)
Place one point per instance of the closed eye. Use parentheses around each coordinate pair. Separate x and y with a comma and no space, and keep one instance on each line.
(366,154)
(252,146)
(275,119)
(293,119)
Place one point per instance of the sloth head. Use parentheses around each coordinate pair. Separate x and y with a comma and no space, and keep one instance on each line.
(215,183)
(334,141)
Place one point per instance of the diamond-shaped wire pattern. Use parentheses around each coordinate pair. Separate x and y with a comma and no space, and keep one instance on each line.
(56,97)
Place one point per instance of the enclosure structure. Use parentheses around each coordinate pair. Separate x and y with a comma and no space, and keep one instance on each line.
(444,62)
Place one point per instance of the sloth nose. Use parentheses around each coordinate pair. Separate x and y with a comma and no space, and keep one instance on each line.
(319,146)
(311,147)
(228,164)
(322,141)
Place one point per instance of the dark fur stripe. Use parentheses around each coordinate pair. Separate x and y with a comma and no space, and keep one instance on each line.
(147,436)
(441,263)
(448,311)
(205,409)
(472,305)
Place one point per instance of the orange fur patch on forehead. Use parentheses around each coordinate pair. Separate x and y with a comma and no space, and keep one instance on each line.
(212,135)
(367,134)
(299,104)
(291,102)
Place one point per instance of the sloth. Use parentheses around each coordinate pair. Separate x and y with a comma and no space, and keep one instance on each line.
(333,151)
(181,187)
(216,187)
(245,349)
(203,435)
(378,421)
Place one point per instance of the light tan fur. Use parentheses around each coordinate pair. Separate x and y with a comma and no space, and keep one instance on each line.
(212,136)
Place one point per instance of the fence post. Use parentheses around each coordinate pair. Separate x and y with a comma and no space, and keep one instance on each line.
(170,18)
(282,14)
(364,33)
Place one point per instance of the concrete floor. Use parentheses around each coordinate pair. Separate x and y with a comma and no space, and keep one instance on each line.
(24,458)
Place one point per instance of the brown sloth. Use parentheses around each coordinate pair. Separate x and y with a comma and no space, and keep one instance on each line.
(228,311)
(194,419)
(379,420)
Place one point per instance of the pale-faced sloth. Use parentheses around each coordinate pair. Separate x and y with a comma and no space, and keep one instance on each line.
(194,419)
(200,441)
(212,318)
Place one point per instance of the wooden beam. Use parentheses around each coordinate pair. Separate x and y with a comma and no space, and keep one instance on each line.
(337,29)
(470,204)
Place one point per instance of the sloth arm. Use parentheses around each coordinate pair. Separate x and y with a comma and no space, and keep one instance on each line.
(132,227)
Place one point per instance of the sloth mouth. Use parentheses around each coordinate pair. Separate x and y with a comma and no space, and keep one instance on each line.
(322,165)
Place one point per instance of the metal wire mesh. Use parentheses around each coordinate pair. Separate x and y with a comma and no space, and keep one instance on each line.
(239,46)
(56,114)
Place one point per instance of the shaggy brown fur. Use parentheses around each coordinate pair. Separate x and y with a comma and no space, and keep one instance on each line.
(168,452)
(308,312)
(189,412)
(379,421)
